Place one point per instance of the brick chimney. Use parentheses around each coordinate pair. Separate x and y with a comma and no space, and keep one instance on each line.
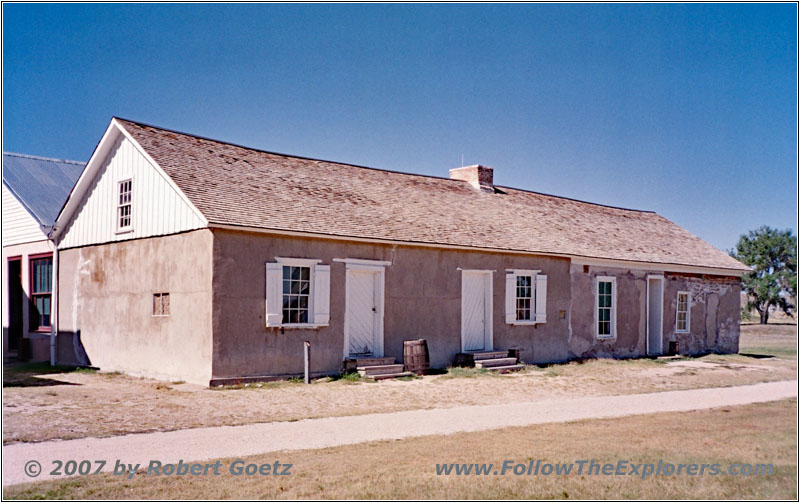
(480,177)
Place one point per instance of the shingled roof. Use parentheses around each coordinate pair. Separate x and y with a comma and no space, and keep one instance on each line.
(240,186)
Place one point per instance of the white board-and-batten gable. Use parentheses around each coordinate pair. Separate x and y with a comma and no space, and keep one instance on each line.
(158,207)
(19,226)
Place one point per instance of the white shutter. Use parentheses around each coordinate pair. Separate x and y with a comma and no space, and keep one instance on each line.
(541,298)
(322,294)
(511,297)
(274,294)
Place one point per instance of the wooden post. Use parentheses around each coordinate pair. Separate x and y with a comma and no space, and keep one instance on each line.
(307,360)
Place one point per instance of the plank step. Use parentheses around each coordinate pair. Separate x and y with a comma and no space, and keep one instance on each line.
(380,369)
(380,377)
(370,362)
(495,362)
(507,368)
(489,355)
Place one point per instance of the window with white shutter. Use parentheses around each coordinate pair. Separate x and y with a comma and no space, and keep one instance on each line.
(298,293)
(526,297)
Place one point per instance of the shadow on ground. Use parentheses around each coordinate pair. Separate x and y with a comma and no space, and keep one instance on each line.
(22,374)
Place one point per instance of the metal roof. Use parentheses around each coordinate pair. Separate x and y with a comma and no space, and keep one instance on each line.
(41,184)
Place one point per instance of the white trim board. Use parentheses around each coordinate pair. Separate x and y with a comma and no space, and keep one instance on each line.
(360,261)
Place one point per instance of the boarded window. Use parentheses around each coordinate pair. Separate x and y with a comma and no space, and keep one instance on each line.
(160,304)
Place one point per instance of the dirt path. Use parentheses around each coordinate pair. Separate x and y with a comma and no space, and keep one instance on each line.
(236,441)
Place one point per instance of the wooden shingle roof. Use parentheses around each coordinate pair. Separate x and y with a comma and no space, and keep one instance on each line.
(234,185)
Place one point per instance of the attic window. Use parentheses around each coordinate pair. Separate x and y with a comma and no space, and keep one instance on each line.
(125,206)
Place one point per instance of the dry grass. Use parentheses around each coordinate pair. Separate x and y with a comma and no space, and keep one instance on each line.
(755,434)
(46,405)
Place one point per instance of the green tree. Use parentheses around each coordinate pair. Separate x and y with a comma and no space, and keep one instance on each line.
(772,255)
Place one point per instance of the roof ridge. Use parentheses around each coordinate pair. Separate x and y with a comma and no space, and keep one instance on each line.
(292,156)
(282,154)
(40,158)
(575,200)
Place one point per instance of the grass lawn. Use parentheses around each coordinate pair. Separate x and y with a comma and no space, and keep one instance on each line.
(406,469)
(43,403)
(775,339)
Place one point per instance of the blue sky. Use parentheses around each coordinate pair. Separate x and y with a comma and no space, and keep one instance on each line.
(686,109)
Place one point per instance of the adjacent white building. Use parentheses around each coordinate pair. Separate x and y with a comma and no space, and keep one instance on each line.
(34,190)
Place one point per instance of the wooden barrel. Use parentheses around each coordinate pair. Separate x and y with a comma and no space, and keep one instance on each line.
(415,356)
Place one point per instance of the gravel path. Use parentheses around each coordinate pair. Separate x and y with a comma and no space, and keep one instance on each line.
(238,441)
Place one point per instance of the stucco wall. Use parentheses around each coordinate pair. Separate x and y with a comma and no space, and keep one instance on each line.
(714,315)
(714,325)
(106,293)
(422,300)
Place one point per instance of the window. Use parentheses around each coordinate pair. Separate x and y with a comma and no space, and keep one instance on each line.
(605,307)
(682,312)
(526,297)
(160,304)
(124,206)
(41,270)
(298,293)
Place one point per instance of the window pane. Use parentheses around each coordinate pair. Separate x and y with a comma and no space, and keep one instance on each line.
(285,318)
(305,273)
(304,287)
(286,273)
(287,285)
(302,317)
(303,302)
(295,273)
(42,275)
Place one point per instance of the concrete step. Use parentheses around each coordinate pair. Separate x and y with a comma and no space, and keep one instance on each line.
(489,355)
(371,362)
(506,368)
(494,362)
(372,370)
(380,377)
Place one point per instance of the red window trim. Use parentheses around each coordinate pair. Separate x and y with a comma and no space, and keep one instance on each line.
(31,258)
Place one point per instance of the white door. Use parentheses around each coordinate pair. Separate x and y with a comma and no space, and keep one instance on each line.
(476,311)
(655,314)
(364,313)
